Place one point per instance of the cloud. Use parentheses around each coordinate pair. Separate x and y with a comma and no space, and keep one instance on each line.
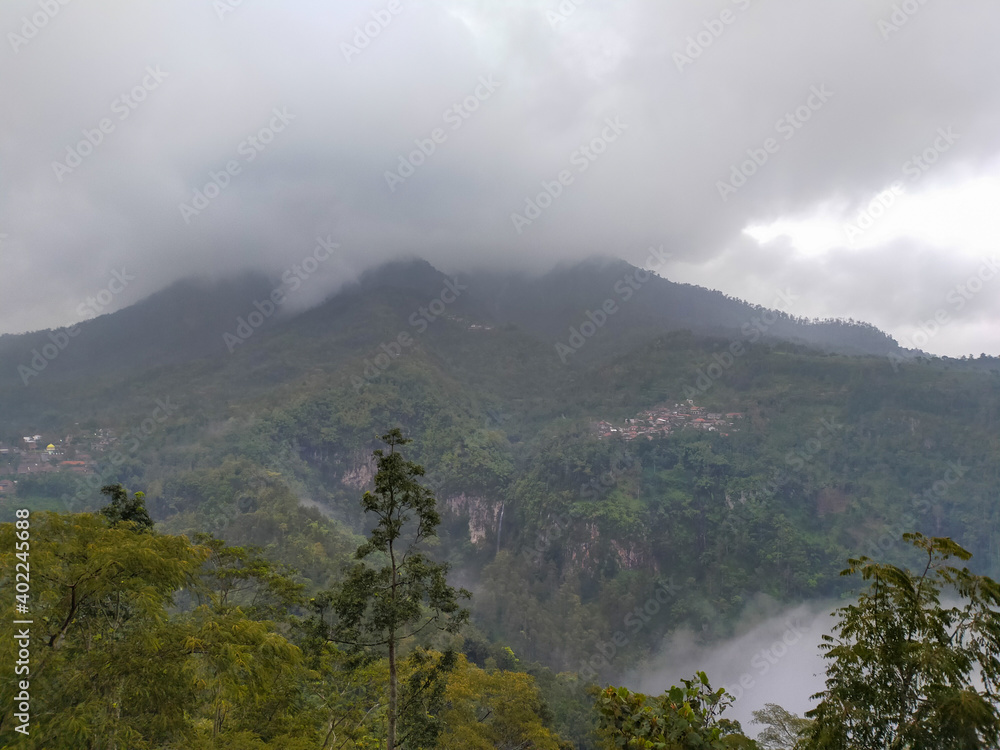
(563,68)
(774,658)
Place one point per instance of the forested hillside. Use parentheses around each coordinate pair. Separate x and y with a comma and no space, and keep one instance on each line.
(559,532)
(133,638)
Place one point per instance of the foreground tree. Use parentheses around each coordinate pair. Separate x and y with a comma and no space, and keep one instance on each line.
(784,729)
(395,591)
(487,709)
(907,673)
(245,577)
(107,669)
(125,509)
(683,718)
(238,663)
(117,662)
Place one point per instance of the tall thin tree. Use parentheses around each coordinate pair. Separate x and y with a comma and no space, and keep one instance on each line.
(395,591)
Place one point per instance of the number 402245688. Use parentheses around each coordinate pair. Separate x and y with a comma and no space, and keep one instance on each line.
(22,549)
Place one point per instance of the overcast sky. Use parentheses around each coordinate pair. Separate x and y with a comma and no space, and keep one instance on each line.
(834,100)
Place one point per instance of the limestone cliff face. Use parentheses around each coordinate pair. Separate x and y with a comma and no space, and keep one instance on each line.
(590,549)
(360,471)
(485,515)
(354,469)
(629,556)
(583,546)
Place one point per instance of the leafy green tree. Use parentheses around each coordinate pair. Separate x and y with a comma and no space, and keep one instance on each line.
(353,702)
(784,729)
(395,591)
(493,709)
(125,509)
(244,577)
(683,718)
(906,672)
(422,697)
(107,668)
(238,660)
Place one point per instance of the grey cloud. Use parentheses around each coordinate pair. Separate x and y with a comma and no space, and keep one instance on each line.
(353,120)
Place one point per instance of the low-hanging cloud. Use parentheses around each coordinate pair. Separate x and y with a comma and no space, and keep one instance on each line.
(157,102)
(774,657)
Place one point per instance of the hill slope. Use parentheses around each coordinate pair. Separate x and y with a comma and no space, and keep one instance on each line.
(558,530)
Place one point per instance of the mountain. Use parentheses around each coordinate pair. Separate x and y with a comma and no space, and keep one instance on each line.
(551,304)
(177,324)
(189,319)
(789,445)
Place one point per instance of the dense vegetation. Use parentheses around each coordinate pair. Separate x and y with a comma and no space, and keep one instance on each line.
(564,539)
(147,640)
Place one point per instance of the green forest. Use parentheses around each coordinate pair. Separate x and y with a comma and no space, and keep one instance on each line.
(145,639)
(566,539)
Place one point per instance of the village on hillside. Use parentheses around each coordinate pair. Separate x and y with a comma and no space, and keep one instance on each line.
(75,453)
(35,454)
(662,420)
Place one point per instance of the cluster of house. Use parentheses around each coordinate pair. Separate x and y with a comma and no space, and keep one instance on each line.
(469,326)
(35,455)
(33,447)
(662,420)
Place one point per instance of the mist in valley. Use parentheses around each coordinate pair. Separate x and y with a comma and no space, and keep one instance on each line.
(773,657)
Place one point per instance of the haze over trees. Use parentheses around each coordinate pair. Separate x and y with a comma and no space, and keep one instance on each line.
(151,640)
